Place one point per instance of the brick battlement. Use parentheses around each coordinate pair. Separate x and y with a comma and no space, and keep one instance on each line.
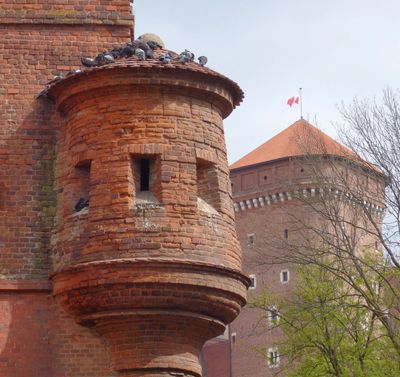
(270,199)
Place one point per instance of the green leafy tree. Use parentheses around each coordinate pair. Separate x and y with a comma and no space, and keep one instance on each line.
(328,330)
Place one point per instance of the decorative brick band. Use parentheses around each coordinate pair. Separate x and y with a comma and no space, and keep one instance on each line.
(160,263)
(69,17)
(269,199)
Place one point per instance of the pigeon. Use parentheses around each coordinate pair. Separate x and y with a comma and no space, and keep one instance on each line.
(149,54)
(140,44)
(140,54)
(185,57)
(73,72)
(202,60)
(103,58)
(116,52)
(127,51)
(153,45)
(88,62)
(55,79)
(190,54)
(81,204)
(165,58)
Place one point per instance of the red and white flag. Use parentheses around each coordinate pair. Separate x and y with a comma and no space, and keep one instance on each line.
(293,100)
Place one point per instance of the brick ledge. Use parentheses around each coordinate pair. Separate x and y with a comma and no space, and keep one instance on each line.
(25,285)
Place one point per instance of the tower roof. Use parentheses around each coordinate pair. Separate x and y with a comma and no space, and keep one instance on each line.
(299,139)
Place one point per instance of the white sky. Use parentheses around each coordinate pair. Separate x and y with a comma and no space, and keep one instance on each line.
(335,50)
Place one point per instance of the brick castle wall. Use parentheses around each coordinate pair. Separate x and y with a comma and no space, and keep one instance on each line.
(40,39)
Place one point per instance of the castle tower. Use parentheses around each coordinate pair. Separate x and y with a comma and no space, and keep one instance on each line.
(153,264)
(265,184)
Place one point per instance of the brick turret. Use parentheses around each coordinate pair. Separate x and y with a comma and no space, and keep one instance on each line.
(153,263)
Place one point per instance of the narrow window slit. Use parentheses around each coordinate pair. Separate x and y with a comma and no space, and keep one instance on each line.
(144,174)
(81,189)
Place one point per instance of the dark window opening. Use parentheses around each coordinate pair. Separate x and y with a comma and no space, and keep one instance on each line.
(146,178)
(284,276)
(265,177)
(251,239)
(286,234)
(144,174)
(253,281)
(302,170)
(81,188)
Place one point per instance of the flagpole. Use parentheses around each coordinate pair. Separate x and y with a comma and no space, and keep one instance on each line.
(301,102)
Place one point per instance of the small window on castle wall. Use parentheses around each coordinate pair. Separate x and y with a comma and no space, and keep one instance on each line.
(286,234)
(251,239)
(273,315)
(233,338)
(81,188)
(273,357)
(285,276)
(253,281)
(146,172)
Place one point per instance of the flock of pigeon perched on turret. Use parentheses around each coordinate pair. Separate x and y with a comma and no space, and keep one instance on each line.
(143,50)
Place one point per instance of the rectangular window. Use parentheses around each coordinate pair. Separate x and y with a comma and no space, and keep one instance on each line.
(286,234)
(253,281)
(82,186)
(146,177)
(273,315)
(273,357)
(251,239)
(285,276)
